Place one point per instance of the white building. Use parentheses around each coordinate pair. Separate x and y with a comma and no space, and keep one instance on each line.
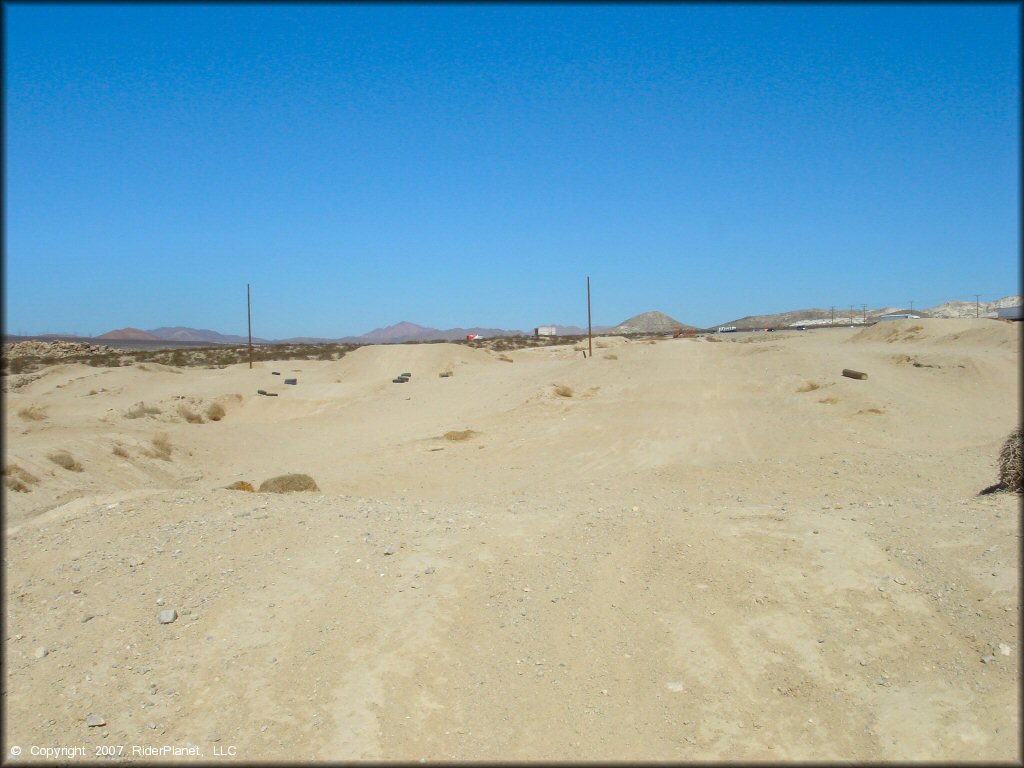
(1010,313)
(544,330)
(906,316)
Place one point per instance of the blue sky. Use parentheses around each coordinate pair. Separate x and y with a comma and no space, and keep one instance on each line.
(459,165)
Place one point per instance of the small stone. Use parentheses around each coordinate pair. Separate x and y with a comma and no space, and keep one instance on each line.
(899,580)
(151,725)
(429,570)
(160,601)
(166,617)
(675,686)
(94,721)
(1004,649)
(987,659)
(87,617)
(389,551)
(42,651)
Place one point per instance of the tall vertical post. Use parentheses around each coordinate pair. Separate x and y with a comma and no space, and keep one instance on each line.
(911,306)
(590,333)
(833,320)
(248,309)
(977,305)
(851,314)
(864,307)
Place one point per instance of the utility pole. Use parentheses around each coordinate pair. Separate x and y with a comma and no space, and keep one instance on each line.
(865,308)
(248,309)
(851,314)
(833,321)
(590,333)
(977,305)
(911,306)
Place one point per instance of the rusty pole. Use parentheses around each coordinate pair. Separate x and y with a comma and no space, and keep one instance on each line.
(590,333)
(248,309)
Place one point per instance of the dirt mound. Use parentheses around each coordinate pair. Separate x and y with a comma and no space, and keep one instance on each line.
(969,332)
(384,362)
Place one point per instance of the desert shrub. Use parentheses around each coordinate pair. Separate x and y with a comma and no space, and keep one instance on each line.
(563,391)
(1011,470)
(120,450)
(240,485)
(18,479)
(189,415)
(288,483)
(161,447)
(505,358)
(65,460)
(464,434)
(215,412)
(141,409)
(810,386)
(32,413)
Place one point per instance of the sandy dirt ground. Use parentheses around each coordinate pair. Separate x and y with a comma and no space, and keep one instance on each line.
(682,549)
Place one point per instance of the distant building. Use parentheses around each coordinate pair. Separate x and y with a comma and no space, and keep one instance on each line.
(906,316)
(544,330)
(1010,313)
(726,329)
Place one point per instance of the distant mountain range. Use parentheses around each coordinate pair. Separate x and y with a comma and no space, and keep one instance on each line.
(647,322)
(844,315)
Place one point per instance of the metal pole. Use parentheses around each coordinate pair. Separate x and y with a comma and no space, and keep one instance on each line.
(851,314)
(977,305)
(248,309)
(833,321)
(865,308)
(911,307)
(590,333)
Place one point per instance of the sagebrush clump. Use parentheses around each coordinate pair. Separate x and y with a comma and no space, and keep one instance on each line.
(288,483)
(161,447)
(1011,467)
(141,409)
(32,413)
(65,460)
(18,479)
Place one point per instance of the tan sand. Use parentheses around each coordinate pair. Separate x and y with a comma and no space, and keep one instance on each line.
(709,551)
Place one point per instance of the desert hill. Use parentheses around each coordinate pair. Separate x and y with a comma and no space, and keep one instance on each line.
(132,334)
(649,322)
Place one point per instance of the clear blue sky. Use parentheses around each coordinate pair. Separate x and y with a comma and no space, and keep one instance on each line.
(459,165)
